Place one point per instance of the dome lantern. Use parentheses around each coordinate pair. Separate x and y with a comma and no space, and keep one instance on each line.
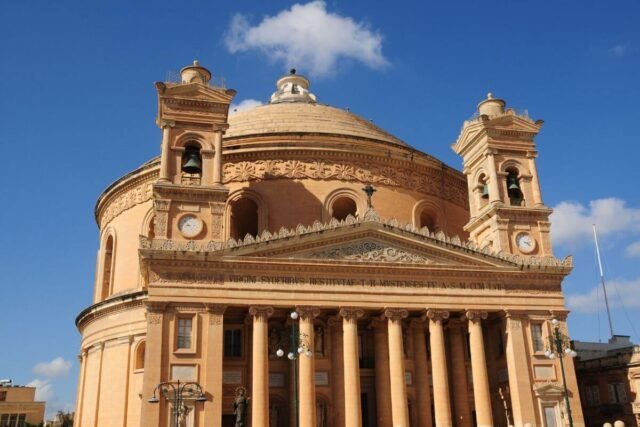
(491,106)
(195,73)
(292,87)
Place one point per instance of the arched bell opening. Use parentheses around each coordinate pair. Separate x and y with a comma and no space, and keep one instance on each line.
(514,190)
(191,166)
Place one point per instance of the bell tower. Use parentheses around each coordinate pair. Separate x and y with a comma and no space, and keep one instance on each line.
(499,156)
(189,196)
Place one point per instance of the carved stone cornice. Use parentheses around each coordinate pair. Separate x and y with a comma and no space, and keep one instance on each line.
(396,314)
(109,307)
(351,314)
(261,313)
(437,315)
(307,312)
(476,316)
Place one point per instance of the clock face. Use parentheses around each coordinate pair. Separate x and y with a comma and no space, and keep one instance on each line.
(525,242)
(190,225)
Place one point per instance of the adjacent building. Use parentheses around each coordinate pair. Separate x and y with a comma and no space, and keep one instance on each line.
(18,406)
(421,295)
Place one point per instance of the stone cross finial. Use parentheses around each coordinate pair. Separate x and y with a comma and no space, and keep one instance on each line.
(369,190)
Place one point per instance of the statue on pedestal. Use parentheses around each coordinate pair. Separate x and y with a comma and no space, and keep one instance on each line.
(240,404)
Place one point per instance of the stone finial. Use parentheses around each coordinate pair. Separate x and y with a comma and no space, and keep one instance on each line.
(195,73)
(491,106)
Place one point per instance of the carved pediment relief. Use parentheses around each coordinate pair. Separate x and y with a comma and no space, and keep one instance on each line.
(198,91)
(367,251)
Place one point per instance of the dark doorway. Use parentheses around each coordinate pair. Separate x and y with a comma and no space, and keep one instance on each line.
(228,421)
(364,406)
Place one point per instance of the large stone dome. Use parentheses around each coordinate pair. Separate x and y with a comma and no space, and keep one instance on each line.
(305,117)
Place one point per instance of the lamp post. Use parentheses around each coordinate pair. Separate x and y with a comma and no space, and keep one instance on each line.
(559,346)
(298,345)
(176,393)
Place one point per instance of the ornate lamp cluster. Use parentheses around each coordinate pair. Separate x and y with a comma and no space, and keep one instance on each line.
(299,341)
(176,393)
(558,347)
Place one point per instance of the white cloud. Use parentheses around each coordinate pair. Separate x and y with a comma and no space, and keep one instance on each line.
(244,105)
(620,49)
(633,250)
(308,37)
(617,291)
(572,221)
(44,389)
(58,367)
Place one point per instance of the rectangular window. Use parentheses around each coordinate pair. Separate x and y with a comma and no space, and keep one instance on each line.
(617,393)
(593,395)
(233,343)
(536,337)
(21,420)
(185,331)
(3,396)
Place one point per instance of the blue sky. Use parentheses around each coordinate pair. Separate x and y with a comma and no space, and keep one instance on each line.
(78,108)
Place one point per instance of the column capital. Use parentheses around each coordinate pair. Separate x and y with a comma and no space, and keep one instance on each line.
(166,124)
(351,314)
(220,127)
(396,314)
(217,309)
(260,312)
(437,315)
(307,312)
(476,315)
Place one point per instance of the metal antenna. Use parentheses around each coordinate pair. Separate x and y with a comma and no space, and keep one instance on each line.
(604,288)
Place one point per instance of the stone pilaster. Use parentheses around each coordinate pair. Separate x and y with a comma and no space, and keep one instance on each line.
(481,391)
(442,404)
(153,364)
(165,150)
(383,384)
(214,357)
(260,367)
(520,385)
(399,404)
(352,412)
(217,158)
(82,358)
(307,387)
(423,389)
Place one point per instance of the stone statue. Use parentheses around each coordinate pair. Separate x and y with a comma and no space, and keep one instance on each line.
(182,417)
(319,341)
(240,404)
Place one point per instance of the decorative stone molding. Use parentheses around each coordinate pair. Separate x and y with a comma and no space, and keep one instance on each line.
(126,200)
(307,312)
(528,262)
(396,314)
(351,314)
(476,316)
(261,312)
(371,251)
(431,182)
(437,315)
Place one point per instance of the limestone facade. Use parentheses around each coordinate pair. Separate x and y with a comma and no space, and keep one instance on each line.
(19,406)
(425,304)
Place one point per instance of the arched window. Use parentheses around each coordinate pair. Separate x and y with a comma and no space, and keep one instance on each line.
(139,358)
(243,218)
(191,164)
(342,207)
(514,190)
(426,220)
(107,267)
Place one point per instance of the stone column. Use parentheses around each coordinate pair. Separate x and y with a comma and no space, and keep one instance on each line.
(217,158)
(214,358)
(520,384)
(260,367)
(337,371)
(165,149)
(383,385)
(535,183)
(423,389)
(399,404)
(352,406)
(442,405)
(481,391)
(153,364)
(494,180)
(307,387)
(461,407)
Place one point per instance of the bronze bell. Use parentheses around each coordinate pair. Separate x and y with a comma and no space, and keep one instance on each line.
(192,163)
(512,183)
(485,191)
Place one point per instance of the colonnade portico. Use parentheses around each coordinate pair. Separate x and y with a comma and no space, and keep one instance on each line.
(392,403)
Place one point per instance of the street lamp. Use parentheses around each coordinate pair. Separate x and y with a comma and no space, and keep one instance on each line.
(176,393)
(299,344)
(559,347)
